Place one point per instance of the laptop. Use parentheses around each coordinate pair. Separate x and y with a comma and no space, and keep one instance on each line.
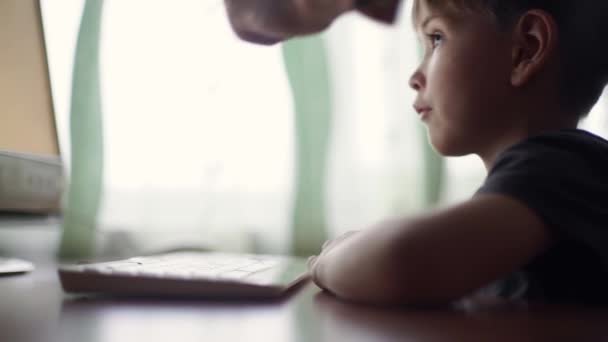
(31,170)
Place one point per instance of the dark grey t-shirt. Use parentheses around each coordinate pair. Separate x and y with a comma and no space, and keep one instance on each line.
(563,177)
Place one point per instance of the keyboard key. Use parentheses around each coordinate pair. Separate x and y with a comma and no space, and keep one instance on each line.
(152,273)
(205,274)
(233,275)
(255,267)
(126,271)
(179,274)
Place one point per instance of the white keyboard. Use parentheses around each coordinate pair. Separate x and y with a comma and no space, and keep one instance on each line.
(188,274)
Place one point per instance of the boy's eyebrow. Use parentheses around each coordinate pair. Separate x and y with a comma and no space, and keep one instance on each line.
(428,19)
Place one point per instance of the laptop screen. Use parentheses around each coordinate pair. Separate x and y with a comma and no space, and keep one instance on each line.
(31,174)
(27,122)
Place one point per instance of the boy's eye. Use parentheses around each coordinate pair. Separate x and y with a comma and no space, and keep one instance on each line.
(435,39)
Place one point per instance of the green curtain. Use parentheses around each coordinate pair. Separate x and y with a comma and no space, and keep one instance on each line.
(85,185)
(306,65)
(308,72)
(433,172)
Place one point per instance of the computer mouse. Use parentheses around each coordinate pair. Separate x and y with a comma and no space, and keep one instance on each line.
(14,266)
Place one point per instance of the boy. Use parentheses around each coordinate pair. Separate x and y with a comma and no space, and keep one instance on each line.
(507,80)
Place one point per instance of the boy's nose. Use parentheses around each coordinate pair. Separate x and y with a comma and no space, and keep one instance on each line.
(417,80)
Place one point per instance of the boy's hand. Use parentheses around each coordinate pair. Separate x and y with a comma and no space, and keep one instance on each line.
(271,21)
(328,246)
(435,258)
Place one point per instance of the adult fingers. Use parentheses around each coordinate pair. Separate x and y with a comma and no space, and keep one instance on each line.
(270,21)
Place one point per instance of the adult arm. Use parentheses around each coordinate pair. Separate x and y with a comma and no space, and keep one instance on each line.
(271,21)
(433,259)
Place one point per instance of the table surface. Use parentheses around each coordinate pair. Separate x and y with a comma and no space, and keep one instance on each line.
(34,308)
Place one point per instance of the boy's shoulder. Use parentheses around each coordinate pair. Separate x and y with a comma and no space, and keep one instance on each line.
(567,137)
(562,176)
(555,149)
(551,172)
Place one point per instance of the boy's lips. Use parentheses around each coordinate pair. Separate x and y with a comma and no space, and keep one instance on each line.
(422,110)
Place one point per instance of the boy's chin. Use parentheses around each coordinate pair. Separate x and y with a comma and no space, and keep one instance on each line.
(448,147)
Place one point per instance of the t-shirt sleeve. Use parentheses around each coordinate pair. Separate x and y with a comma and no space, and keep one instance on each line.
(564,180)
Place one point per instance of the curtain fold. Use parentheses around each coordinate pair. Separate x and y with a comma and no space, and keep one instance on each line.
(434,173)
(307,70)
(86,174)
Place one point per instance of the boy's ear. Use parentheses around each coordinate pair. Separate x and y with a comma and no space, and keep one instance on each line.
(535,40)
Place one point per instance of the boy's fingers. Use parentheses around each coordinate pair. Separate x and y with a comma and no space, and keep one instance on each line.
(311,261)
(314,271)
(329,243)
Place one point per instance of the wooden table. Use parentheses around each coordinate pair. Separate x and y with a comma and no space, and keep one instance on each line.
(34,308)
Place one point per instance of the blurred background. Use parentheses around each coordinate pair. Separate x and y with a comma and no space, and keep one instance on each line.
(208,141)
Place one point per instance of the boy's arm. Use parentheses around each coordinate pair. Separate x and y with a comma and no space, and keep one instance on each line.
(435,258)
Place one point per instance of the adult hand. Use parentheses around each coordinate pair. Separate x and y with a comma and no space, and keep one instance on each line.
(271,21)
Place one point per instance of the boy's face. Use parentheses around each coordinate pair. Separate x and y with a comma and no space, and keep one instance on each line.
(463,81)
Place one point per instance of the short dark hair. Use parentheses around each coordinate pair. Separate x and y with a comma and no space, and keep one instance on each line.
(583,41)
